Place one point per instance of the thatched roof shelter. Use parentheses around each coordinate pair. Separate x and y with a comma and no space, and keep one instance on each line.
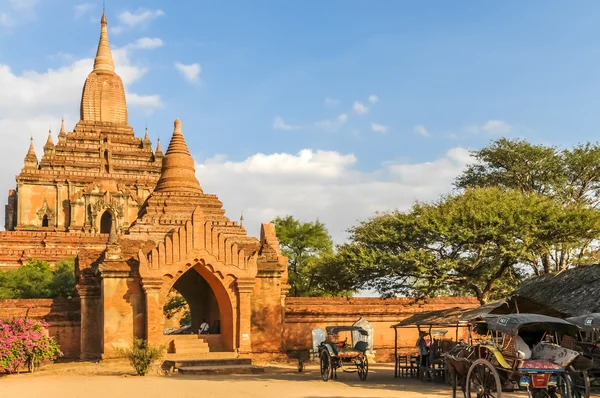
(571,293)
(446,317)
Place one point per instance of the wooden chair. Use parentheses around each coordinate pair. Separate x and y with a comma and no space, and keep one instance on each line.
(404,366)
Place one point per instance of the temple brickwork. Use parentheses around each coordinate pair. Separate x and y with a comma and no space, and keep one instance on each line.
(95,173)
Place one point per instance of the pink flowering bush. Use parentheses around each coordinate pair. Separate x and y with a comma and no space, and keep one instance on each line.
(23,342)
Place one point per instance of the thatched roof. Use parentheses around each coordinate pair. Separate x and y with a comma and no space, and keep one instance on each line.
(572,292)
(446,317)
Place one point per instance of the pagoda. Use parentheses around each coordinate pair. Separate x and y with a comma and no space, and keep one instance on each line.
(95,174)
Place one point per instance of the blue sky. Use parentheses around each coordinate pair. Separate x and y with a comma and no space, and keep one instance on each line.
(441,75)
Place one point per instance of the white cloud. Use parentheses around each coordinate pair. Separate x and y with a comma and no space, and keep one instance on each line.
(496,127)
(148,101)
(378,128)
(139,18)
(332,125)
(280,124)
(82,9)
(331,101)
(147,43)
(324,184)
(421,130)
(373,98)
(189,72)
(23,5)
(20,10)
(7,20)
(360,108)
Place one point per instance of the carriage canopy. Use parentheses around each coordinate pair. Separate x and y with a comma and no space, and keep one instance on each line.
(587,321)
(512,323)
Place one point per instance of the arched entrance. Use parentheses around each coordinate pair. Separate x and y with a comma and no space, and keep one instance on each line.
(106,222)
(45,221)
(209,296)
(190,303)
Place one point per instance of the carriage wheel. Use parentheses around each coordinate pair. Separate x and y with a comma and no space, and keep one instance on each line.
(326,368)
(483,380)
(581,385)
(362,365)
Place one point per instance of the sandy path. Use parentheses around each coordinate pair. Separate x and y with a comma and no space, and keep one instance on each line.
(281,382)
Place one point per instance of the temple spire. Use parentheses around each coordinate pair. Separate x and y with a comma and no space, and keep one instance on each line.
(178,173)
(31,160)
(49,141)
(146,143)
(61,134)
(158,153)
(31,151)
(104,60)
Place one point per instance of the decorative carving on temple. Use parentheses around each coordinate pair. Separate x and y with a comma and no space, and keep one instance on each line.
(92,187)
(77,195)
(98,208)
(46,215)
(130,193)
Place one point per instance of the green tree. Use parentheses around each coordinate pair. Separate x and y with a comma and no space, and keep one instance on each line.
(568,176)
(176,305)
(63,283)
(36,279)
(471,243)
(309,250)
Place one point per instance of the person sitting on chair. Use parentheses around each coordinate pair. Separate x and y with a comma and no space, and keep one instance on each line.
(203,327)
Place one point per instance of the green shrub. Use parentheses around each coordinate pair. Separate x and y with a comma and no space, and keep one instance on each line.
(142,355)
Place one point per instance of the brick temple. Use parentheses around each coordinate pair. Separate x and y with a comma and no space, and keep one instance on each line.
(140,224)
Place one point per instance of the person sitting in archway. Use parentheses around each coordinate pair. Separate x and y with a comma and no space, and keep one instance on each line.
(203,327)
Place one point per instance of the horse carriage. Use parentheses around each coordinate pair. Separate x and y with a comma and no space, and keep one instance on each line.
(503,360)
(589,342)
(335,352)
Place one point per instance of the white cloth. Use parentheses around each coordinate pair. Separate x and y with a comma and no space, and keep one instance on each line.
(522,348)
(203,328)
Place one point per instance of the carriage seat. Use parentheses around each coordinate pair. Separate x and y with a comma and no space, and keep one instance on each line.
(540,365)
(554,353)
(347,351)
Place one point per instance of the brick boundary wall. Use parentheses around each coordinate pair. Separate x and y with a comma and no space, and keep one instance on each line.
(302,314)
(62,315)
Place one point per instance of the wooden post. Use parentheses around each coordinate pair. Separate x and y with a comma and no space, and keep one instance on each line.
(396,352)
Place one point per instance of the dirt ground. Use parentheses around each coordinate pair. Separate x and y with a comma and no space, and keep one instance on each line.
(114,379)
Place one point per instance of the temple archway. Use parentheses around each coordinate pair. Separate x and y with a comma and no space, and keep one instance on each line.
(106,222)
(45,222)
(191,302)
(210,297)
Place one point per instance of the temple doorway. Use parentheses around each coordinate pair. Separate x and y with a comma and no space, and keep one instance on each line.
(105,222)
(45,221)
(190,303)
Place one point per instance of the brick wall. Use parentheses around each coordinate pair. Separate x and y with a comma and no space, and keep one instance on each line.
(61,314)
(304,314)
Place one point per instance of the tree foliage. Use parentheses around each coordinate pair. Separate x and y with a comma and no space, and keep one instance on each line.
(314,269)
(568,176)
(471,243)
(177,306)
(36,279)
